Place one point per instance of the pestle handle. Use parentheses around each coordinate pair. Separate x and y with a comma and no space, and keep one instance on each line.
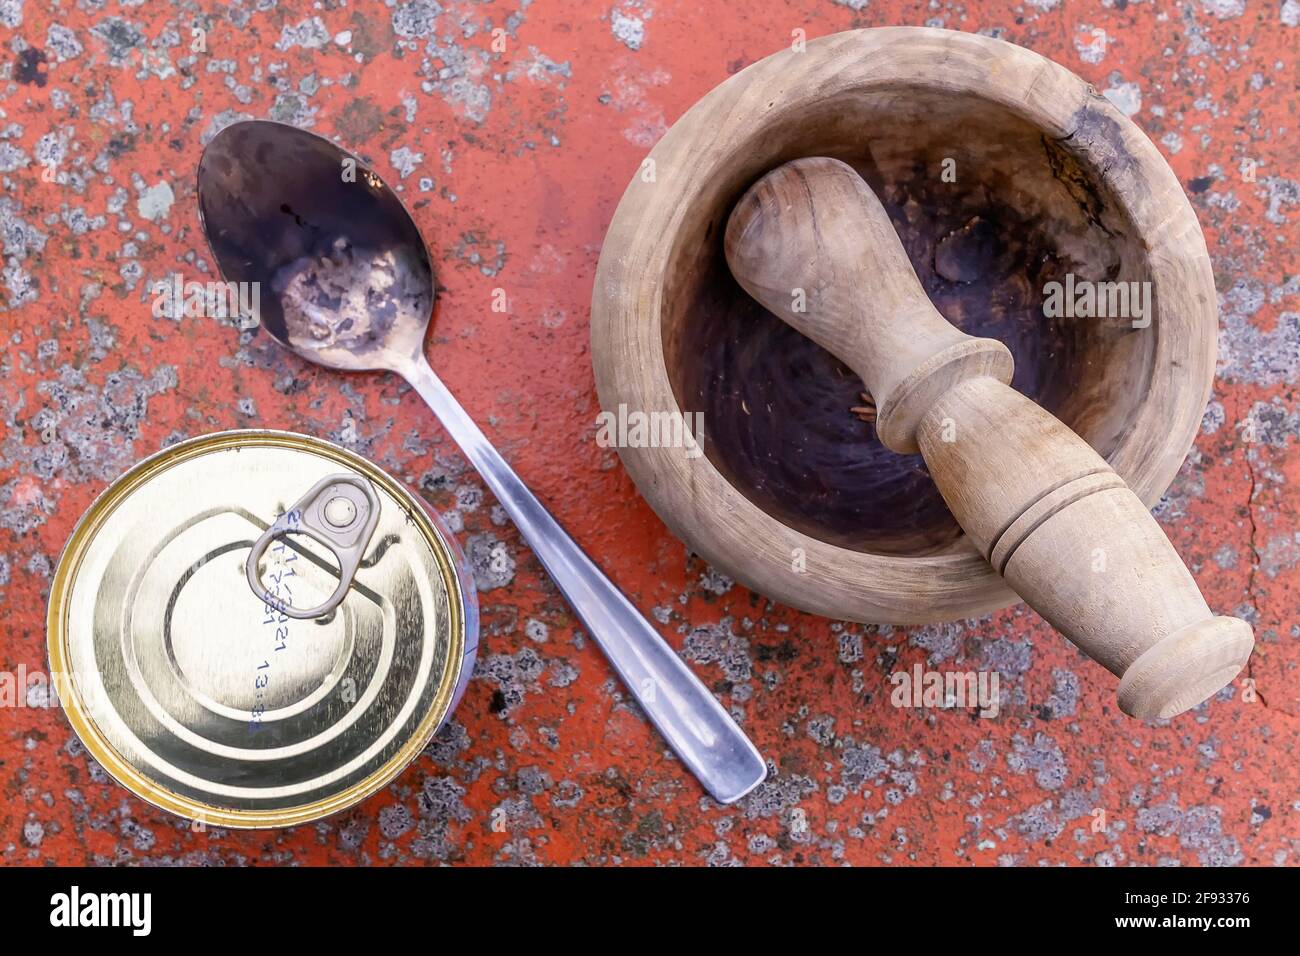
(1079,546)
(812,243)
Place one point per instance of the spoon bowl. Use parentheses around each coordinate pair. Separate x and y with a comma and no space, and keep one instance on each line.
(343,275)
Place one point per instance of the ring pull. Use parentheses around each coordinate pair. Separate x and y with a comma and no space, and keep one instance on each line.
(341,512)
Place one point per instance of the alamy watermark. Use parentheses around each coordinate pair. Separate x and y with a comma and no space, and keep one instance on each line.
(240,302)
(75,908)
(1085,299)
(34,688)
(951,689)
(638,429)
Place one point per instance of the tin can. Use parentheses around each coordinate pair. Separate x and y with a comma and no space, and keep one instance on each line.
(216,687)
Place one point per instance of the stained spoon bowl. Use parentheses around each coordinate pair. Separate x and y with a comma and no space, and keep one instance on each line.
(344,277)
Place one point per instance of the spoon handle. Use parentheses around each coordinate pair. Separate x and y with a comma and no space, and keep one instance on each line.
(690,718)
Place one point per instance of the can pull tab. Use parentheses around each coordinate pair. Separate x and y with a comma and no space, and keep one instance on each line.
(341,512)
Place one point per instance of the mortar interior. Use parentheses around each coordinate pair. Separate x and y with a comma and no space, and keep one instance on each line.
(1022,210)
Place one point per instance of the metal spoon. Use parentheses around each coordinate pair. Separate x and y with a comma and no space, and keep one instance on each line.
(345,281)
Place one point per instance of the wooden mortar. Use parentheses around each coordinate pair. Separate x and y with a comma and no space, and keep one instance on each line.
(794,496)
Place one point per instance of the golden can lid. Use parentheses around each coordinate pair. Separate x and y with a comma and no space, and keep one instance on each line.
(228,708)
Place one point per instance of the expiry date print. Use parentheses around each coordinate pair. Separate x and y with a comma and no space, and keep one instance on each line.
(279,588)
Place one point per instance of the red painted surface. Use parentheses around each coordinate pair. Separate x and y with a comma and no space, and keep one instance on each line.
(527,149)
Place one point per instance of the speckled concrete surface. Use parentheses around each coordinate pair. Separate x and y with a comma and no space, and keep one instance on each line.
(511,128)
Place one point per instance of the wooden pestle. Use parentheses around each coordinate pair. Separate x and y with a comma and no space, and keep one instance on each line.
(812,243)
